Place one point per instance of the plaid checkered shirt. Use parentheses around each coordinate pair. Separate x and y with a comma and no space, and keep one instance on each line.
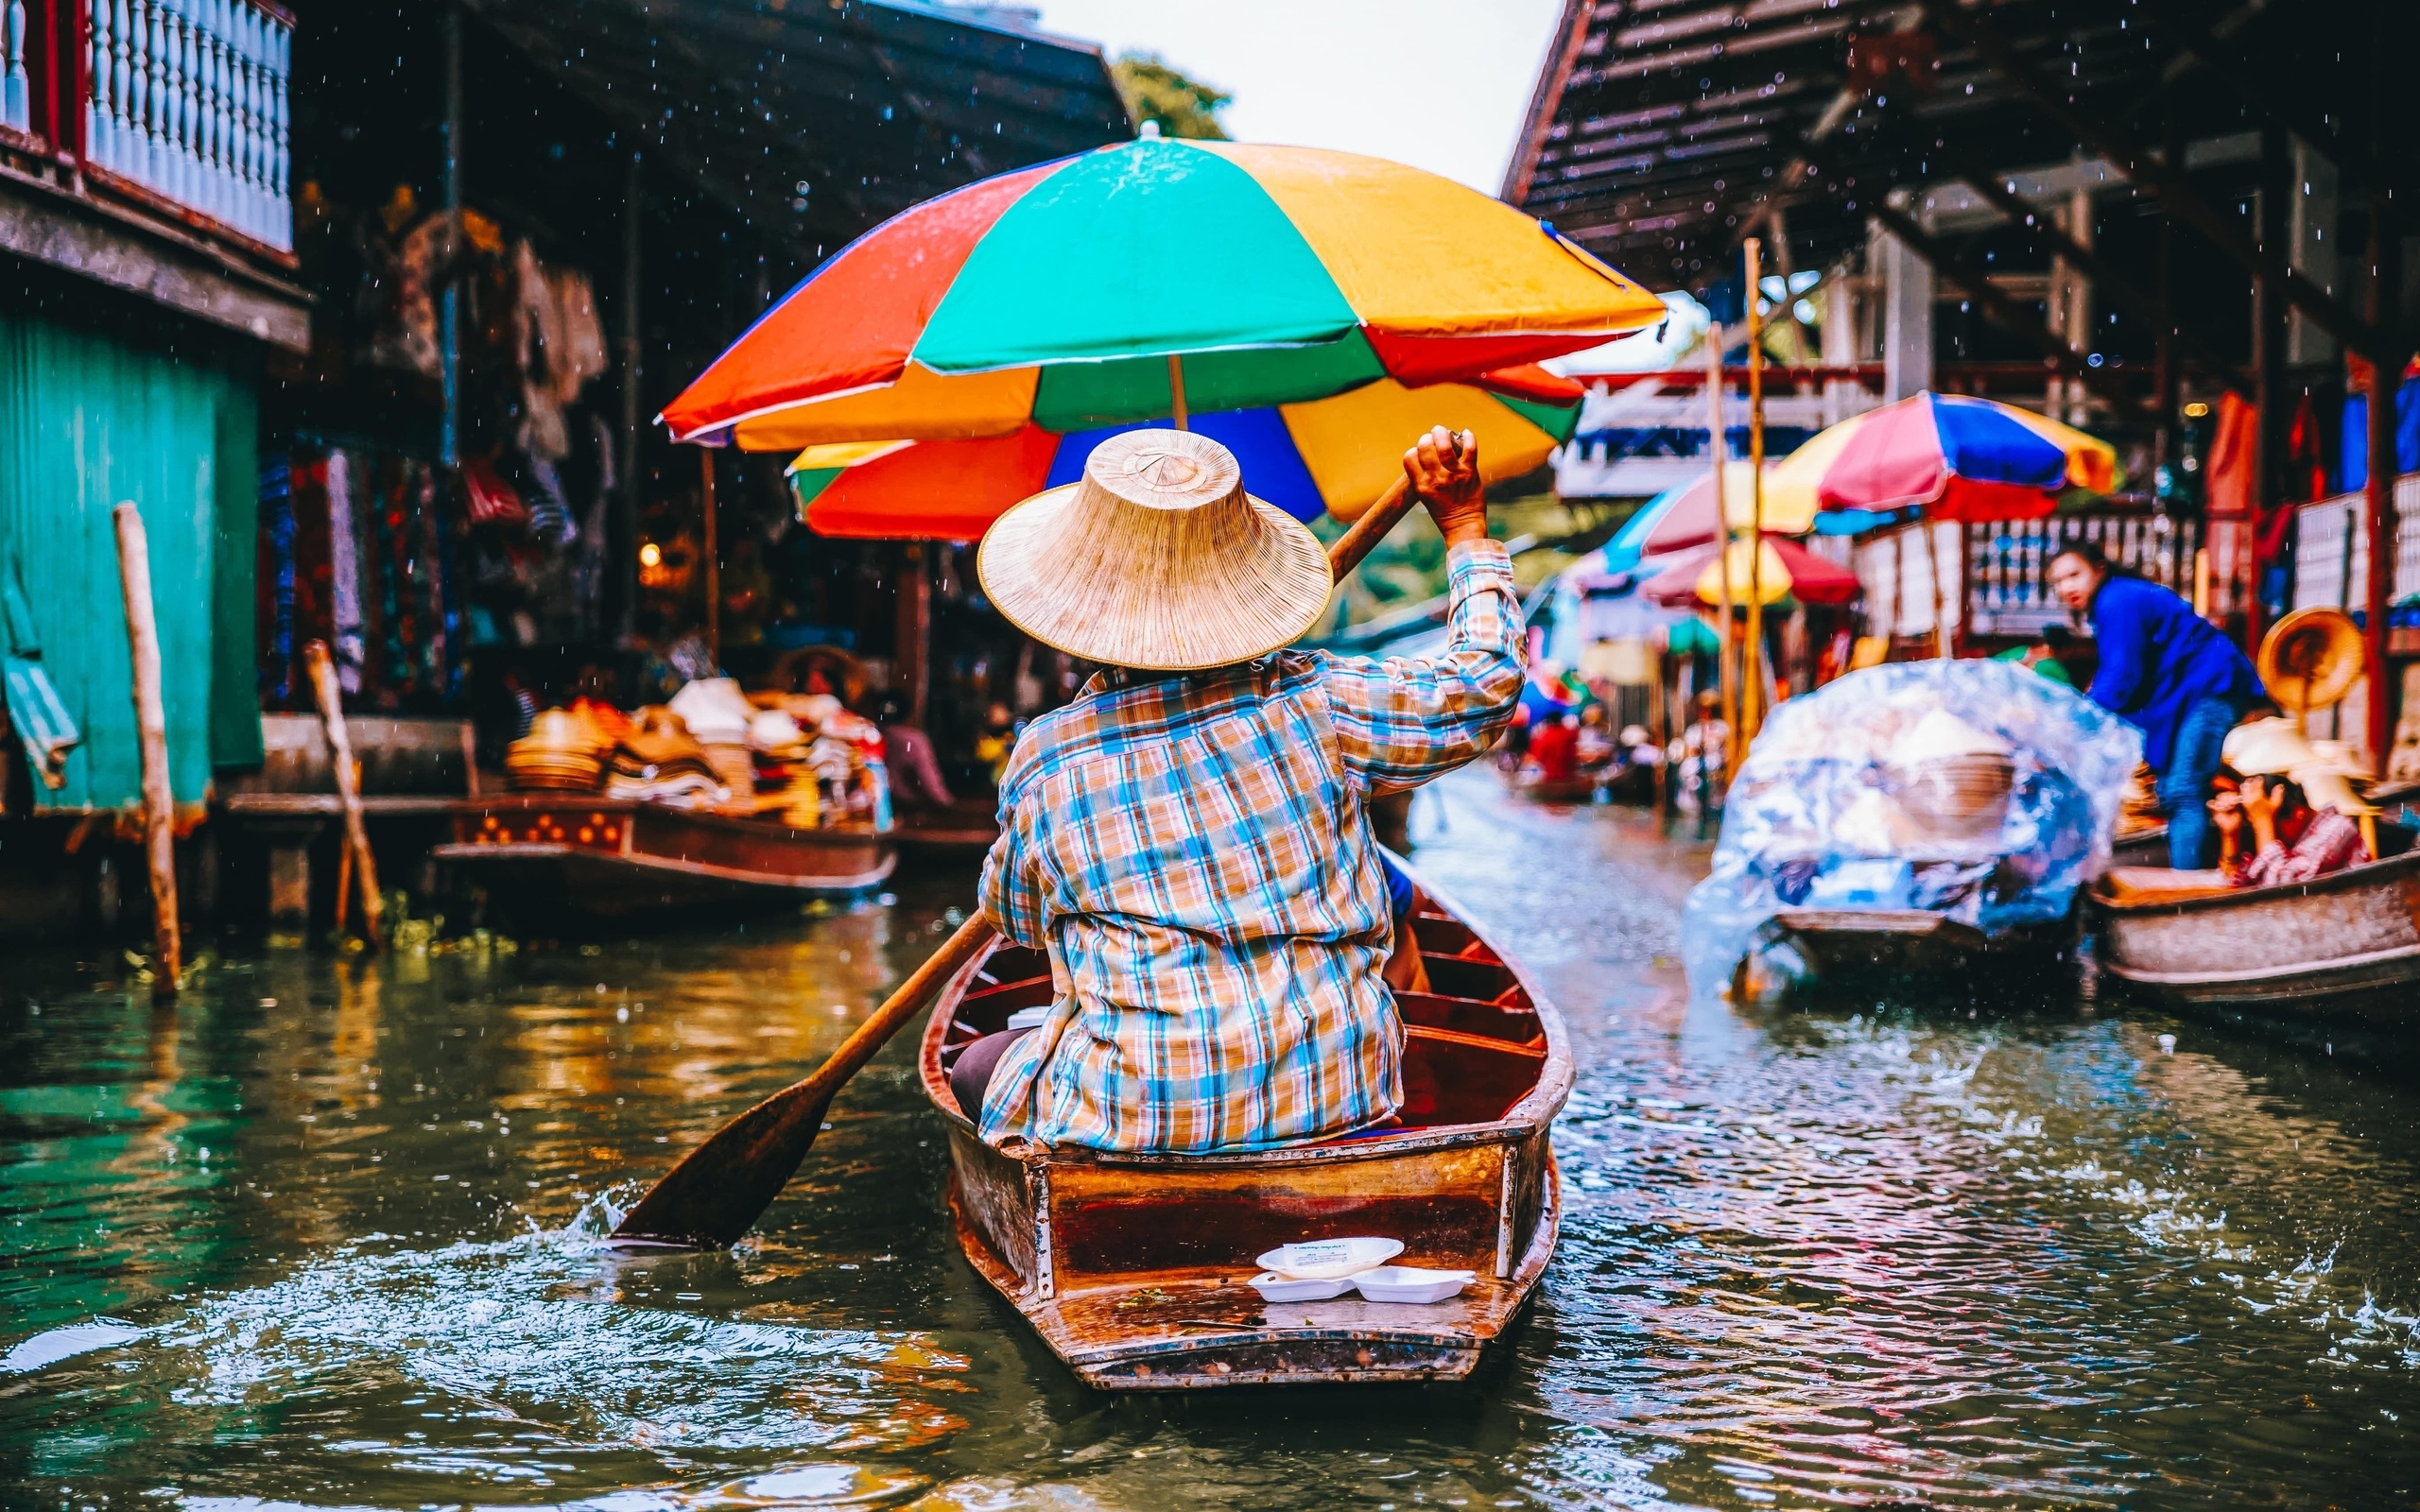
(1193,852)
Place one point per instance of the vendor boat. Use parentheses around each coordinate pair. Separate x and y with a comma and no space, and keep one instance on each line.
(1135,1268)
(2345,943)
(591,856)
(1858,950)
(1539,788)
(961,832)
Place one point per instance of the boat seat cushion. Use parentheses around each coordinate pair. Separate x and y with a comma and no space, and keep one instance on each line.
(2162,884)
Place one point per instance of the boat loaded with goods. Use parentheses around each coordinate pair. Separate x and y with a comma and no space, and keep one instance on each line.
(1909,821)
(716,798)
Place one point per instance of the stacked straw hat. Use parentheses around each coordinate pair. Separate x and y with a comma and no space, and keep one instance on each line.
(1156,559)
(562,752)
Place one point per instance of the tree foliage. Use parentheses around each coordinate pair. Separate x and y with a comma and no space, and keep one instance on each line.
(1155,92)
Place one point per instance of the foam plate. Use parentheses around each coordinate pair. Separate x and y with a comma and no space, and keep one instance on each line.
(1327,1259)
(1276,1288)
(1410,1284)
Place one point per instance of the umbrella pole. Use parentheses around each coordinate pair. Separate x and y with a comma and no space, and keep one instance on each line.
(713,560)
(1752,677)
(1722,548)
(1176,392)
(1940,595)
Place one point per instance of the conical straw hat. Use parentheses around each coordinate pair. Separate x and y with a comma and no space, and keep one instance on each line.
(1156,559)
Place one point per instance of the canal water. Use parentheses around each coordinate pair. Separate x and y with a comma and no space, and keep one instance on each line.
(324,1236)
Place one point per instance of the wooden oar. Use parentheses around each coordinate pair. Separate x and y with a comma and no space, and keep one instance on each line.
(722,1186)
(725,1185)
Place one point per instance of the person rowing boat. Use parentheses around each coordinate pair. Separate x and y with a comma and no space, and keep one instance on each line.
(1189,839)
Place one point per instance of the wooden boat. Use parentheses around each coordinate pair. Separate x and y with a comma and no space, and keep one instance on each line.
(612,858)
(963,831)
(1133,1268)
(2348,942)
(1849,947)
(1579,788)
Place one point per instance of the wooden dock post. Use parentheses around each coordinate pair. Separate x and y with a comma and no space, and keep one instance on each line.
(356,835)
(151,729)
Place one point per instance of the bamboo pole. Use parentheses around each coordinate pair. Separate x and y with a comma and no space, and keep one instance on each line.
(1723,680)
(1939,603)
(151,729)
(1661,728)
(1752,676)
(1176,392)
(356,835)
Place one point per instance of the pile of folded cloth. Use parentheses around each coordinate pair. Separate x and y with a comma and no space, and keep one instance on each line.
(831,758)
(660,762)
(717,715)
(785,781)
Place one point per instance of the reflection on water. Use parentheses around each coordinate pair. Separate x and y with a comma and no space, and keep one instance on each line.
(324,1235)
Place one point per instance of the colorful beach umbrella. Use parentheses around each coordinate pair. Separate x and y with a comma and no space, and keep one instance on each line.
(1076,294)
(1954,457)
(1787,570)
(1332,456)
(1683,516)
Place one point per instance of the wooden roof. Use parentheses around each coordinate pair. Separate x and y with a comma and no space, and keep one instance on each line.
(1663,131)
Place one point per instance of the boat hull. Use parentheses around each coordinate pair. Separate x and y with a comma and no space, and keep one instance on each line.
(1135,1268)
(1855,948)
(543,854)
(2345,943)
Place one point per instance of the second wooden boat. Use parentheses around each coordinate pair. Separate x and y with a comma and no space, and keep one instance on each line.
(2347,942)
(1857,948)
(607,858)
(1133,1268)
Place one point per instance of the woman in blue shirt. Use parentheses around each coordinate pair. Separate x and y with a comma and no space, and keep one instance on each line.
(2168,672)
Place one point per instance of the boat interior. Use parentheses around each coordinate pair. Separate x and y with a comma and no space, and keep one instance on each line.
(1474,1045)
(2142,879)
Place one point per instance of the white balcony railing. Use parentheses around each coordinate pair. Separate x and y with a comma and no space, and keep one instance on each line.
(189,100)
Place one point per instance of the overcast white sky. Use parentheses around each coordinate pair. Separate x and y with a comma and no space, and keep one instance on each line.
(1439,84)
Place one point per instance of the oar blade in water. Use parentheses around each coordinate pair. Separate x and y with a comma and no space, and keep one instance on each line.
(723,1186)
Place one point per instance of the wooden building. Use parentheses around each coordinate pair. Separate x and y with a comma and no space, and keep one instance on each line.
(2188,229)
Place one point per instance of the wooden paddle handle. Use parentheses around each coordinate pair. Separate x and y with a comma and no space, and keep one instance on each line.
(1370,528)
(723,1186)
(902,1006)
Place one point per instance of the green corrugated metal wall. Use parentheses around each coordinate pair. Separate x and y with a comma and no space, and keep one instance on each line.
(94,411)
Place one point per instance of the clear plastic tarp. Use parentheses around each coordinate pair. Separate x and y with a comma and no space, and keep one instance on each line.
(1978,789)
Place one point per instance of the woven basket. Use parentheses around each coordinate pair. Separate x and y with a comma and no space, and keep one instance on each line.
(1964,796)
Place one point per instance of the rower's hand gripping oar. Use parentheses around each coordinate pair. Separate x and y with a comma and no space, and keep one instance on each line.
(722,1186)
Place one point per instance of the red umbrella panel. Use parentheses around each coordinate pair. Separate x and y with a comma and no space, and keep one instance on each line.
(1812,579)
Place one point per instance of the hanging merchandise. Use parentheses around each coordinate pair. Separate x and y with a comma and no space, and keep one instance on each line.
(489,496)
(582,353)
(275,611)
(537,338)
(406,335)
(344,573)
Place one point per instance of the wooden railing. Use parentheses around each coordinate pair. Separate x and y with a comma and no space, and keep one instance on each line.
(2008,588)
(185,101)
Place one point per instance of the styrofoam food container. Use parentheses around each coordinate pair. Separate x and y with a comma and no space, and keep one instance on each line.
(1327,1259)
(1276,1288)
(1410,1284)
